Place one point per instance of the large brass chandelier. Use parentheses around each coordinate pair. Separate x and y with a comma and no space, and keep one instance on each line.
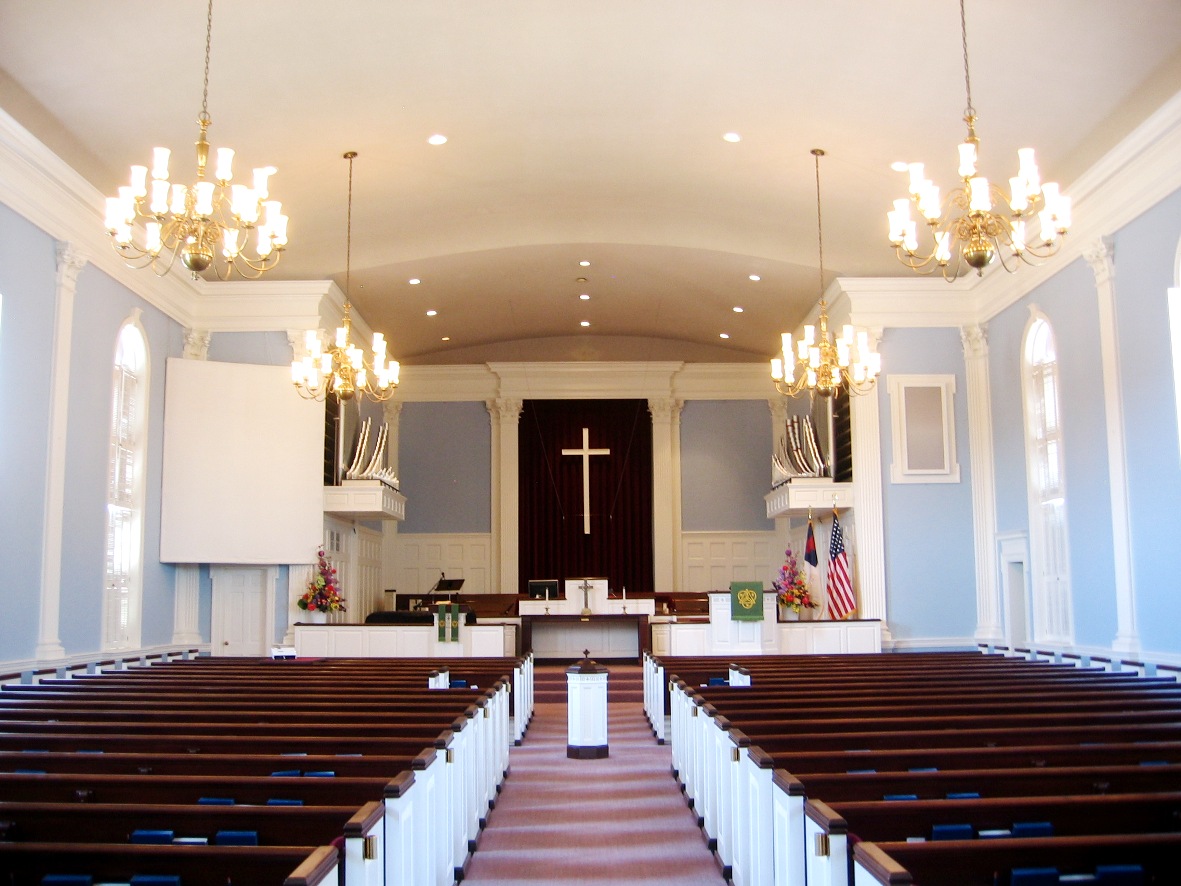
(977,222)
(207,224)
(342,369)
(819,363)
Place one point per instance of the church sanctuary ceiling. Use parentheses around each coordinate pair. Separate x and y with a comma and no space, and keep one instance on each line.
(586,132)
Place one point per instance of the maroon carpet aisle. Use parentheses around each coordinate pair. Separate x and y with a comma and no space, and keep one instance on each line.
(621,820)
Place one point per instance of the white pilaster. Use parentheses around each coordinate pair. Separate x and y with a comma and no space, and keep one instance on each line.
(1101,257)
(988,602)
(506,415)
(70,262)
(867,509)
(665,530)
(186,605)
(197,344)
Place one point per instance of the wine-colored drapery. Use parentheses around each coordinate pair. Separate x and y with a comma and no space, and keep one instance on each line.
(552,541)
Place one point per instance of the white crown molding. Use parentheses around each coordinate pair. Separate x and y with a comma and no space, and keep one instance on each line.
(446,384)
(724,381)
(881,302)
(268,305)
(38,185)
(585,381)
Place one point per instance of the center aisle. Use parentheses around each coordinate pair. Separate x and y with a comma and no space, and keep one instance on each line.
(617,820)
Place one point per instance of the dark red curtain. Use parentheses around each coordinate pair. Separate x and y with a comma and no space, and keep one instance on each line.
(552,541)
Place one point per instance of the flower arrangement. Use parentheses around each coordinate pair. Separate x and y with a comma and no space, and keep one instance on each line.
(791,587)
(323,593)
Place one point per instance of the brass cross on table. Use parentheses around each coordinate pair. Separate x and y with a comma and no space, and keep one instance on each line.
(586,452)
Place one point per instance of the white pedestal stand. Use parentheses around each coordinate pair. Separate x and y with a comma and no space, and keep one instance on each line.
(586,710)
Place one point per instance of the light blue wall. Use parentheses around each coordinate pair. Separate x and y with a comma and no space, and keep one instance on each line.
(101,307)
(445,467)
(27,267)
(1069,301)
(725,466)
(1145,252)
(261,348)
(929,547)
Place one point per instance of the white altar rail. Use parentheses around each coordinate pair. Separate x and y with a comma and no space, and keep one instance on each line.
(397,641)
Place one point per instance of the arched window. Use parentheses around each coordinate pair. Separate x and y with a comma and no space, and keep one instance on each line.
(125,490)
(1050,551)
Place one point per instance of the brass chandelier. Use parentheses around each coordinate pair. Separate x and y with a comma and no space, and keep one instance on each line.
(977,223)
(819,363)
(201,223)
(342,369)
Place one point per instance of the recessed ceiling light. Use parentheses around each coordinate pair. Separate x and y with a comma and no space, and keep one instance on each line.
(738,309)
(584,264)
(432,312)
(899,165)
(584,323)
(446,338)
(732,137)
(584,297)
(413,281)
(437,139)
(755,277)
(723,335)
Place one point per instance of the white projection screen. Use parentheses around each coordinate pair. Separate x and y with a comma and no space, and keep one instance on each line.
(243,466)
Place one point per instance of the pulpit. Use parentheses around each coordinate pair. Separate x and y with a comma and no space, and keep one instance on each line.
(586,710)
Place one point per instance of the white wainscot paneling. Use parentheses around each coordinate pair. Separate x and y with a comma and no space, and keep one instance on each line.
(711,560)
(422,558)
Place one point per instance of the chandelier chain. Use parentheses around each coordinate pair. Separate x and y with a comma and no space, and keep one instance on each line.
(208,43)
(817,153)
(970,111)
(348,250)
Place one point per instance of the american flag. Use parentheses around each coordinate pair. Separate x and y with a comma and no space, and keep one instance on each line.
(838,587)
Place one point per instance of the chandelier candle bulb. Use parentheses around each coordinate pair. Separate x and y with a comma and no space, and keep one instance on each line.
(225,163)
(967,159)
(979,200)
(160,158)
(777,368)
(152,237)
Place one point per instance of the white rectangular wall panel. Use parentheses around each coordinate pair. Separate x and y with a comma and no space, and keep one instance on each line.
(242,466)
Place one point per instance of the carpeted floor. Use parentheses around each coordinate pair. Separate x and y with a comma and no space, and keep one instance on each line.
(620,820)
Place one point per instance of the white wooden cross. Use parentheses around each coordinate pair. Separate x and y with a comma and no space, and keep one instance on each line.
(586,452)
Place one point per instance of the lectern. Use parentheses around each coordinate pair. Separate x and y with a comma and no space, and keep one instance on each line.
(586,710)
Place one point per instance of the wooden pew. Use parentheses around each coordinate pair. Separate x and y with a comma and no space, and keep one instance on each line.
(835,826)
(27,863)
(41,822)
(987,862)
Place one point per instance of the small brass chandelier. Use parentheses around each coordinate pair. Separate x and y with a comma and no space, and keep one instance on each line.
(342,369)
(820,364)
(203,222)
(977,223)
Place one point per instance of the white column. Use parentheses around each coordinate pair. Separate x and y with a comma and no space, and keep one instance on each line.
(674,431)
(506,415)
(983,467)
(1101,257)
(185,606)
(70,262)
(665,531)
(392,412)
(867,508)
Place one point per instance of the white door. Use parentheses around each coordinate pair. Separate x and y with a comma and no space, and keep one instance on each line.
(239,610)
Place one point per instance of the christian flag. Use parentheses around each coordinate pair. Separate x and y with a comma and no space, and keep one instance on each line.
(811,563)
(838,587)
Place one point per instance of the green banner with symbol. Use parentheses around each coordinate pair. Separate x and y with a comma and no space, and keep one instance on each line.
(746,601)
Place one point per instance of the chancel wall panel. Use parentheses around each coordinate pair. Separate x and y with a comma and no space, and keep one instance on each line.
(711,560)
(424,558)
